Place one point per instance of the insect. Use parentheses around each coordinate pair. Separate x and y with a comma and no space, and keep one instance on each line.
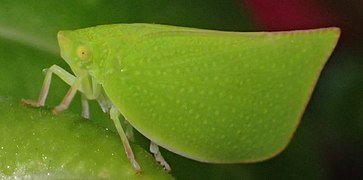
(211,96)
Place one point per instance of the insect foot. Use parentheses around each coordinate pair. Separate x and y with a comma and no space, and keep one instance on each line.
(60,108)
(31,102)
(154,148)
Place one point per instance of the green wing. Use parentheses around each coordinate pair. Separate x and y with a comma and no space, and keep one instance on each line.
(216,96)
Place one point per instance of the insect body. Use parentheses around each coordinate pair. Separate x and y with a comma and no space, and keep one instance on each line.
(212,96)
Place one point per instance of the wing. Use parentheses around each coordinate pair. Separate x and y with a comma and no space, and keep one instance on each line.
(216,96)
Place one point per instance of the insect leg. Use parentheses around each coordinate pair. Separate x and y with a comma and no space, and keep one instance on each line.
(114,113)
(129,131)
(85,107)
(154,148)
(63,74)
(67,98)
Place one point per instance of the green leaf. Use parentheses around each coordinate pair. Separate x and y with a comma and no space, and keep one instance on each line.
(41,145)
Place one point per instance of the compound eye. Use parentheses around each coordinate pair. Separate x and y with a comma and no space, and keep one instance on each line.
(83,53)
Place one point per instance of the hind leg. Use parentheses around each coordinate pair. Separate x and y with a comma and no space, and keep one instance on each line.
(154,148)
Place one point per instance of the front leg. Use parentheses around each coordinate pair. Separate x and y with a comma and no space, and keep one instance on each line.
(67,78)
(85,107)
(63,74)
(67,98)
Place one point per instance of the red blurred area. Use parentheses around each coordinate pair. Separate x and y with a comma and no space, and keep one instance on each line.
(304,14)
(290,14)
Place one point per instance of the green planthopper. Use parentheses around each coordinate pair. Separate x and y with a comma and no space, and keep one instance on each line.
(212,96)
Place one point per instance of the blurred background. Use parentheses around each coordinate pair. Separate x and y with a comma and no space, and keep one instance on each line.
(327,145)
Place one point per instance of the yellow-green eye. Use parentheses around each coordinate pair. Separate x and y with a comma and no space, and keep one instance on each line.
(83,53)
